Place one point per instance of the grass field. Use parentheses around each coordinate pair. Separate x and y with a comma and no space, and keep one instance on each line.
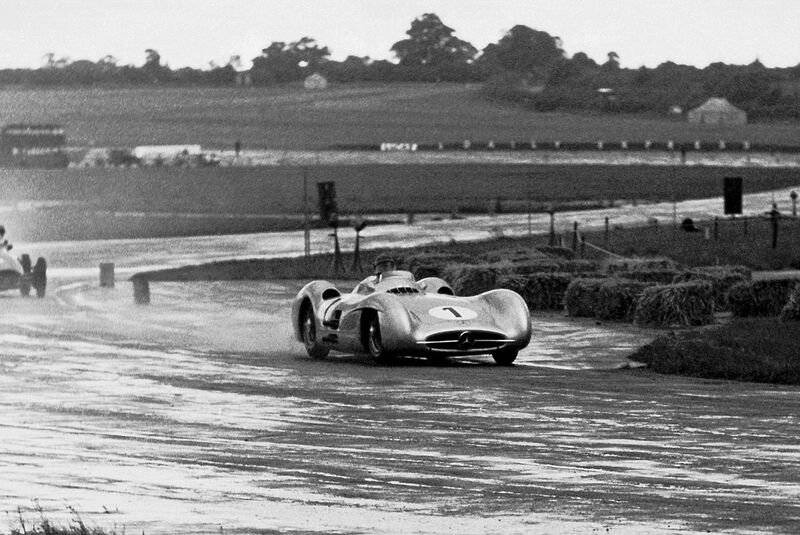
(291,118)
(375,188)
(737,242)
(239,194)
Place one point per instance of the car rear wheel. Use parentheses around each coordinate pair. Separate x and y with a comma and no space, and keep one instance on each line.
(505,357)
(39,277)
(373,340)
(308,329)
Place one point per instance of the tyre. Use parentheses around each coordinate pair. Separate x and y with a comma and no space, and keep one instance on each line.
(24,286)
(25,262)
(39,277)
(505,357)
(308,329)
(373,340)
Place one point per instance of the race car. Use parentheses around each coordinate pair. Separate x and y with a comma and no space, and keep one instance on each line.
(390,314)
(18,274)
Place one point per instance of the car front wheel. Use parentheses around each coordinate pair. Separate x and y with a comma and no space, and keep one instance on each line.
(309,333)
(373,340)
(505,357)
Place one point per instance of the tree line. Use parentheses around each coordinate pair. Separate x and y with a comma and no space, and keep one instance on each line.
(526,66)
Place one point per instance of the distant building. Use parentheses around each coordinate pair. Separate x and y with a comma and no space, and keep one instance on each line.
(315,81)
(608,94)
(244,78)
(33,145)
(717,111)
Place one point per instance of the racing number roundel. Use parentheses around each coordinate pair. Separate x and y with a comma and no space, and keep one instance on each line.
(452,312)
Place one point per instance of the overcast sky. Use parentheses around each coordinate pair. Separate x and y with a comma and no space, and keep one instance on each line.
(195,32)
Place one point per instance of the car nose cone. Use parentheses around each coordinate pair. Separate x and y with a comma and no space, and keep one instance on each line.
(466,340)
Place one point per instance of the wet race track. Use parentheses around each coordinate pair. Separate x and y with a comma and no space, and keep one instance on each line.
(200,414)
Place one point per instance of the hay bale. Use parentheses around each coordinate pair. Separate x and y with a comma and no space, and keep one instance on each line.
(665,276)
(467,279)
(582,296)
(513,255)
(617,299)
(660,270)
(686,304)
(791,310)
(722,278)
(554,265)
(759,298)
(545,265)
(517,283)
(625,265)
(431,264)
(541,291)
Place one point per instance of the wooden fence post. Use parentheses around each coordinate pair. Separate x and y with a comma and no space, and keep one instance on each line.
(107,274)
(575,237)
(141,290)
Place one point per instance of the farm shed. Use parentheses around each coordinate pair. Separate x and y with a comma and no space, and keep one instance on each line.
(33,145)
(717,111)
(315,81)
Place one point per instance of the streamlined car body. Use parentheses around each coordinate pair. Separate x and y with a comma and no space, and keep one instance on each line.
(391,314)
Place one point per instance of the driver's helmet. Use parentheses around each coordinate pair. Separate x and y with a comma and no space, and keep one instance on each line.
(383,264)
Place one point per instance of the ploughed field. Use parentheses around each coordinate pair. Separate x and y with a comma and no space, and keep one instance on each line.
(106,203)
(289,117)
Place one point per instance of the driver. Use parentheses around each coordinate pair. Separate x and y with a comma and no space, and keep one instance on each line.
(383,264)
(3,241)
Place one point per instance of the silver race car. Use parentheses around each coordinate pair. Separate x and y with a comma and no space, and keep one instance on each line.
(391,314)
(18,274)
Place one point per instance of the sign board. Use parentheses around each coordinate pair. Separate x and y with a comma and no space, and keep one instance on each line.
(732,192)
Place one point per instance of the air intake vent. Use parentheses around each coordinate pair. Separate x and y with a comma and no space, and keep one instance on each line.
(403,290)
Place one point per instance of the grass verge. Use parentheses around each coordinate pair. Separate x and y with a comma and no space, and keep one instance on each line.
(44,526)
(762,350)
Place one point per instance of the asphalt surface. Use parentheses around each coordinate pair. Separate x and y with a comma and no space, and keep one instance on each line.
(200,414)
